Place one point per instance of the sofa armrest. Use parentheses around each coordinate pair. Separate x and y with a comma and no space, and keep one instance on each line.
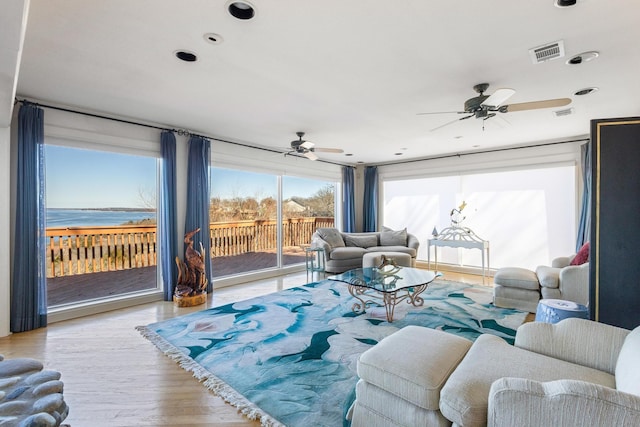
(524,402)
(574,283)
(413,242)
(584,342)
(562,261)
(319,242)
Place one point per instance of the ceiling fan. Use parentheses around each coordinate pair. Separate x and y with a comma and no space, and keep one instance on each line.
(486,106)
(308,148)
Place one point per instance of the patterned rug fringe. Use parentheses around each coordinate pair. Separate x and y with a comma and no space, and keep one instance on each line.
(210,381)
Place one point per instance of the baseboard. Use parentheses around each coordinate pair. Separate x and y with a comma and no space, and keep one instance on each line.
(465,269)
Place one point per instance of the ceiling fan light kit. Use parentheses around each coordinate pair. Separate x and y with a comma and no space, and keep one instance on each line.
(308,148)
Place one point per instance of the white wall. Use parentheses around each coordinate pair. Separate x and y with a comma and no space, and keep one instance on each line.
(5,230)
(13,24)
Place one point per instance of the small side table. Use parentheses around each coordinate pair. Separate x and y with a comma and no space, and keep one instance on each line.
(314,260)
(555,310)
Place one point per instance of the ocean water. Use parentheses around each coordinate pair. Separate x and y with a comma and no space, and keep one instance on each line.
(84,217)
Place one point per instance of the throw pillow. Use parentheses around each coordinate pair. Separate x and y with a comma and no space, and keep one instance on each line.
(361,241)
(389,237)
(332,236)
(582,256)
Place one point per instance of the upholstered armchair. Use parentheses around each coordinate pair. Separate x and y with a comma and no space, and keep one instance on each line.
(519,288)
(564,281)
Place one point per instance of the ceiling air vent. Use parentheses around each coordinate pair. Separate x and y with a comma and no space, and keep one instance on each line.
(565,112)
(547,52)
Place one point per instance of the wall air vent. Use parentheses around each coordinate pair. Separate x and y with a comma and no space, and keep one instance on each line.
(565,112)
(547,52)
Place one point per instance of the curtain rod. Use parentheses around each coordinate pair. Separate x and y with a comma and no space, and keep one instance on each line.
(181,132)
(495,150)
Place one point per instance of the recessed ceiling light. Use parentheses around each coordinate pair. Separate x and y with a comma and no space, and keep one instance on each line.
(186,56)
(585,91)
(241,9)
(457,137)
(398,154)
(475,146)
(348,154)
(583,57)
(565,3)
(360,162)
(213,38)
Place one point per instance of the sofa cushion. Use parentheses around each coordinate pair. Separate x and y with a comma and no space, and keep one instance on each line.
(549,277)
(582,256)
(348,252)
(389,237)
(403,249)
(415,373)
(516,277)
(628,366)
(464,398)
(360,240)
(332,236)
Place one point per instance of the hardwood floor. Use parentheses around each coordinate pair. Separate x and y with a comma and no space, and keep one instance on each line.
(114,377)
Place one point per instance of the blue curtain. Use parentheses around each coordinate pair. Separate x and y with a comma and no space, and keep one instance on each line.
(370,202)
(198,199)
(348,200)
(584,227)
(29,285)
(167,213)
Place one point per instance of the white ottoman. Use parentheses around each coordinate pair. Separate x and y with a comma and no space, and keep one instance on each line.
(401,378)
(516,288)
(373,259)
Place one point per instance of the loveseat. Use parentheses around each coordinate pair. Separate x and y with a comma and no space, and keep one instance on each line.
(573,373)
(344,251)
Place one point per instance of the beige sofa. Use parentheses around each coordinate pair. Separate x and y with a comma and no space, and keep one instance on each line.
(574,373)
(344,251)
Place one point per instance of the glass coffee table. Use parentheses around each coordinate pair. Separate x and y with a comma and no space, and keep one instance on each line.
(387,286)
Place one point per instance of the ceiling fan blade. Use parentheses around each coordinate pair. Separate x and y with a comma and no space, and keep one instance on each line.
(450,123)
(328,150)
(307,144)
(309,155)
(499,97)
(444,112)
(523,106)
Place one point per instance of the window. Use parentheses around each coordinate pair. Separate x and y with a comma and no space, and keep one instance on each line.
(248,233)
(528,216)
(101,224)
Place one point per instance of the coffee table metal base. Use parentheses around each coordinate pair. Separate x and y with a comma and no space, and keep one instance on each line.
(367,297)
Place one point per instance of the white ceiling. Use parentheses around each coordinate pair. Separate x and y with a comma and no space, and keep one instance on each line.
(352,74)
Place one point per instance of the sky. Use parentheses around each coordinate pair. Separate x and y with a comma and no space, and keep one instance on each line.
(77,178)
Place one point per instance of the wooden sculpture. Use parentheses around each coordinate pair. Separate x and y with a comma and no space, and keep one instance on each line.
(191,287)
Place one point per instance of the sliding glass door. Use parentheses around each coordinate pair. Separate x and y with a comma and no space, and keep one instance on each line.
(101,224)
(243,213)
(264,221)
(307,204)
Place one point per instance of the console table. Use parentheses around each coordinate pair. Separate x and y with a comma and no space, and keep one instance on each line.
(459,237)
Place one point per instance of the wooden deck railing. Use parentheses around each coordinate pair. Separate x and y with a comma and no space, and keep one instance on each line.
(82,250)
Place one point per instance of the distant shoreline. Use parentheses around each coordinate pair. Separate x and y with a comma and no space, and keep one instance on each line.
(105,209)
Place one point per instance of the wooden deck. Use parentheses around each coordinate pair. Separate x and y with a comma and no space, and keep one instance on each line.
(85,287)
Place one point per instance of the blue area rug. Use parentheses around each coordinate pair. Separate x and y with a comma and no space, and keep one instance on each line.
(289,358)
